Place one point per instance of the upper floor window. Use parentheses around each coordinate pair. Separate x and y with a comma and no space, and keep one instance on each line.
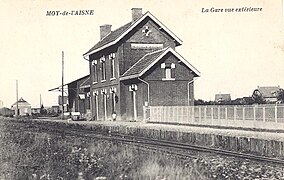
(95,70)
(103,63)
(168,71)
(112,65)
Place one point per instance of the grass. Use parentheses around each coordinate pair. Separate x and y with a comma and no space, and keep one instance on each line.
(34,152)
(35,155)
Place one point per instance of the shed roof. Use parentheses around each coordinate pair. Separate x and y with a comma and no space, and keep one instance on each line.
(59,87)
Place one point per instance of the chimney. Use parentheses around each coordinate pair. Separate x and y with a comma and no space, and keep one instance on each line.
(105,30)
(136,13)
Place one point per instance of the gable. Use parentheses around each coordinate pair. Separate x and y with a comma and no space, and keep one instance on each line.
(151,59)
(147,35)
(117,35)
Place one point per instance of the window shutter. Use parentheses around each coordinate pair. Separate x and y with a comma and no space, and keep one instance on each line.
(173,73)
(163,73)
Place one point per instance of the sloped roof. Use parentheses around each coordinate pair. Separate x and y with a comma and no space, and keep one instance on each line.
(150,59)
(268,91)
(110,38)
(222,97)
(119,33)
(142,63)
(86,83)
(59,87)
(21,100)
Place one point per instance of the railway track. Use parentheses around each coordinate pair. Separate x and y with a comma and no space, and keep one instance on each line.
(177,148)
(180,149)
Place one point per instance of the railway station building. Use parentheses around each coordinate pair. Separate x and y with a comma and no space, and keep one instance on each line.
(137,65)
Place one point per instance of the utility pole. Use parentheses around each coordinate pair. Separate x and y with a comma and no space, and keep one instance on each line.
(39,100)
(17,105)
(62,95)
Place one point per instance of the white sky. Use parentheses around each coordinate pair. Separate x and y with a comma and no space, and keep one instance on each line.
(235,52)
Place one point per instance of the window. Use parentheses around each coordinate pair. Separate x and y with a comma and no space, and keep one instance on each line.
(104,93)
(168,71)
(113,98)
(112,65)
(133,88)
(95,70)
(96,104)
(103,62)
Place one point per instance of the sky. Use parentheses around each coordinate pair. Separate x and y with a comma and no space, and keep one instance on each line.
(234,51)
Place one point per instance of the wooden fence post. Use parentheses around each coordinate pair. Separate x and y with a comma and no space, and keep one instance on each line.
(218,112)
(254,116)
(235,112)
(205,113)
(192,113)
(212,117)
(199,113)
(244,113)
(276,114)
(263,113)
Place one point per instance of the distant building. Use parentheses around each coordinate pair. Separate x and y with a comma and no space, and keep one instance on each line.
(6,112)
(268,93)
(53,109)
(35,110)
(24,108)
(222,98)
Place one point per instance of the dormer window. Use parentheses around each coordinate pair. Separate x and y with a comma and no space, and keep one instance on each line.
(112,65)
(103,68)
(168,71)
(95,70)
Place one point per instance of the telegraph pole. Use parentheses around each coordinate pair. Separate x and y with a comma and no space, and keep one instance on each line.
(62,95)
(17,105)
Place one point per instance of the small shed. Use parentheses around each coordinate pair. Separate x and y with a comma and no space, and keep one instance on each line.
(24,108)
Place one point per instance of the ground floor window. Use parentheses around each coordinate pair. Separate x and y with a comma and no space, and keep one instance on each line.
(133,88)
(104,94)
(113,98)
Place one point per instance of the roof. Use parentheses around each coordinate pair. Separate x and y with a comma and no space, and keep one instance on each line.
(86,83)
(268,91)
(111,37)
(121,32)
(21,100)
(59,87)
(143,63)
(150,59)
(222,97)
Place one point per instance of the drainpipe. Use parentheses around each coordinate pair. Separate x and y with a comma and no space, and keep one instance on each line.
(188,88)
(148,87)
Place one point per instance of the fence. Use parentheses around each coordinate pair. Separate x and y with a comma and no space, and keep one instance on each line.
(255,116)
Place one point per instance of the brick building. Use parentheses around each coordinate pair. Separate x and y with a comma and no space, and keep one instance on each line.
(136,65)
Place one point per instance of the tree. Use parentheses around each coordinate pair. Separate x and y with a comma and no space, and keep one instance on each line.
(257,97)
(280,95)
(43,111)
